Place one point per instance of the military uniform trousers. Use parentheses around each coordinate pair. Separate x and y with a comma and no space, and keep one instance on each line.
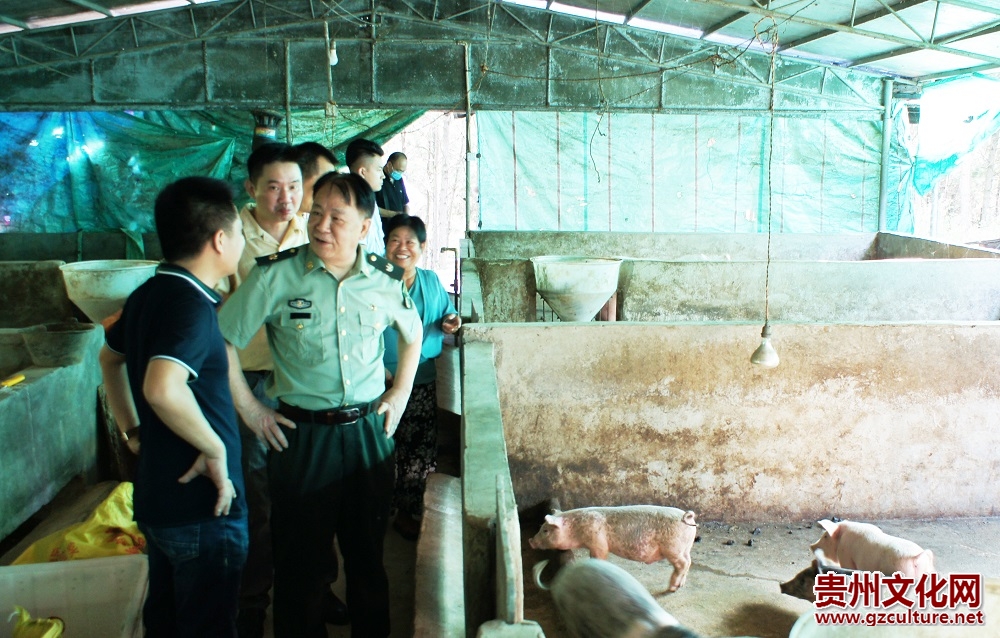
(331,480)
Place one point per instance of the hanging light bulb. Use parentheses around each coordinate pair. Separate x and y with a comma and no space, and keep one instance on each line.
(333,53)
(765,355)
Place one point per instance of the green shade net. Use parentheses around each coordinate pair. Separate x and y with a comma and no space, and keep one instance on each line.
(93,171)
(646,173)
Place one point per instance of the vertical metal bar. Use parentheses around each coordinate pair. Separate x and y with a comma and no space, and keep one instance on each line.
(371,21)
(883,187)
(72,35)
(610,225)
(652,171)
(548,77)
(288,93)
(558,174)
(513,144)
(373,66)
(934,24)
(468,145)
(329,68)
(204,70)
(822,174)
(736,189)
(696,173)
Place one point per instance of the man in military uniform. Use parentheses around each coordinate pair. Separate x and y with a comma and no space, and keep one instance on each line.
(325,307)
(270,224)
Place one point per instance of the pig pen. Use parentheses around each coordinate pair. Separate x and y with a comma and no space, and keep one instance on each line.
(48,422)
(876,418)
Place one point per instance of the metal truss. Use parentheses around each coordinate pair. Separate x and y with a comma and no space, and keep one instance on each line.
(484,27)
(855,26)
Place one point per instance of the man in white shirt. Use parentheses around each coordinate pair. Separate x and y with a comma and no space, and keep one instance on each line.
(364,159)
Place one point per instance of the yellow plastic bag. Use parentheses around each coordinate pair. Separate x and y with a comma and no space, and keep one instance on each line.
(28,627)
(109,531)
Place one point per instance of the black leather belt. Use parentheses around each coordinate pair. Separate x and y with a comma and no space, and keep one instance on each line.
(340,416)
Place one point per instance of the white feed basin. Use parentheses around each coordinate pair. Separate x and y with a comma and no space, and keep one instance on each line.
(100,287)
(576,287)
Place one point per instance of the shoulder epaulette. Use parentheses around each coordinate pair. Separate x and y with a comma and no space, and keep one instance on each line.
(284,254)
(385,266)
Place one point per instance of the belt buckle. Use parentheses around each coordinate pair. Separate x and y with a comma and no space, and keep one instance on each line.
(350,416)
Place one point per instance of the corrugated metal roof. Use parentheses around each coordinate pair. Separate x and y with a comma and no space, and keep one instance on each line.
(917,40)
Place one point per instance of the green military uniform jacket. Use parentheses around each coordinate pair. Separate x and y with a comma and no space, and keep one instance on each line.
(325,335)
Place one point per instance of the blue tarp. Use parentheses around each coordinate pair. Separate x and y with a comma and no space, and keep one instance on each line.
(93,171)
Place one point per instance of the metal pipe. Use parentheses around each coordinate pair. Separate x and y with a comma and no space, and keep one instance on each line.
(468,144)
(329,67)
(449,249)
(883,187)
(288,93)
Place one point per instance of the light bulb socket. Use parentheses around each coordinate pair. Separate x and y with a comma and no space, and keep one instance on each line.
(765,332)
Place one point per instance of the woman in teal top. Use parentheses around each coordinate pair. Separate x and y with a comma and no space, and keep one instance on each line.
(416,437)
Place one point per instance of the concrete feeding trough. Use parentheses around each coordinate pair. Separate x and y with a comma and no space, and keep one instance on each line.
(53,345)
(99,288)
(576,287)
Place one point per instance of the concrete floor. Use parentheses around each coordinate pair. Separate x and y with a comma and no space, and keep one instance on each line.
(733,590)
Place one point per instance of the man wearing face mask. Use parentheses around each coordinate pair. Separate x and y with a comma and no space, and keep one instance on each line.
(392,199)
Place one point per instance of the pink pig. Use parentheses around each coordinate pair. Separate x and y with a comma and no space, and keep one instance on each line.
(644,533)
(866,547)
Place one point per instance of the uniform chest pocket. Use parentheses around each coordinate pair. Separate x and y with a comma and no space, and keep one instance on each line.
(372,324)
(300,332)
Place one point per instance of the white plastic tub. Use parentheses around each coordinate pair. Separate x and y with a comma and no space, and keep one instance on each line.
(96,598)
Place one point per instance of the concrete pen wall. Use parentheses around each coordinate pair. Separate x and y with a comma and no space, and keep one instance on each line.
(859,421)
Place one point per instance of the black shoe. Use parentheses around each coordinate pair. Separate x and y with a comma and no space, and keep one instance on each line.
(334,610)
(250,622)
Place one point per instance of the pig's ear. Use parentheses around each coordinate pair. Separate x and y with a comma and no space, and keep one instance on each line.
(829,526)
(552,520)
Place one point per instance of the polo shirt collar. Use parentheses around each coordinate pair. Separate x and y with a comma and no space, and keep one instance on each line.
(177,271)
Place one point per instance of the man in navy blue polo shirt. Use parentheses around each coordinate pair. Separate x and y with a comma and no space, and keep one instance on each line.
(165,366)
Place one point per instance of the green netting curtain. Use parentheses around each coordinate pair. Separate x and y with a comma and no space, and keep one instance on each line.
(684,173)
(93,171)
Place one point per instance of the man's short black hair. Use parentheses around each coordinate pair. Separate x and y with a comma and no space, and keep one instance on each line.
(359,149)
(395,156)
(355,190)
(409,221)
(307,155)
(270,153)
(189,212)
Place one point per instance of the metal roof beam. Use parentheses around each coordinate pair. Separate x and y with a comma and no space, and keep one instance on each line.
(985,29)
(631,13)
(869,17)
(976,6)
(947,75)
(86,4)
(14,22)
(785,17)
(725,22)
(885,55)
